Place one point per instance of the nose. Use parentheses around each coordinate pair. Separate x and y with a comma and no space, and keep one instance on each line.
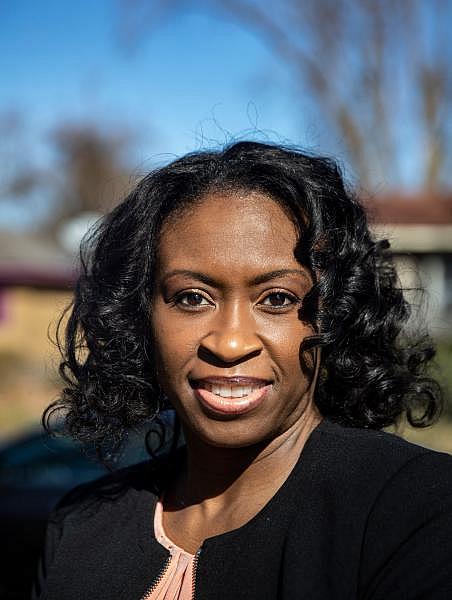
(233,336)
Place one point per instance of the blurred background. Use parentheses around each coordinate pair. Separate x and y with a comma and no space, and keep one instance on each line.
(95,94)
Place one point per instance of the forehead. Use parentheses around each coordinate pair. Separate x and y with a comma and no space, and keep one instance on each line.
(229,232)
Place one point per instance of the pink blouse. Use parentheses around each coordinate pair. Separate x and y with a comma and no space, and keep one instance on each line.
(176,582)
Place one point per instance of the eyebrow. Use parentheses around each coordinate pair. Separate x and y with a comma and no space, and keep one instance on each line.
(263,278)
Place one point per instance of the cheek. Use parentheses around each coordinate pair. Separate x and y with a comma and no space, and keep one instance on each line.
(287,341)
(297,368)
(173,344)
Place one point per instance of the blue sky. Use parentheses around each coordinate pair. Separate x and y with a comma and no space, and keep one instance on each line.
(64,59)
(196,80)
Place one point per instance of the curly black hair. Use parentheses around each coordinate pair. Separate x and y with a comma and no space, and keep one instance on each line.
(371,374)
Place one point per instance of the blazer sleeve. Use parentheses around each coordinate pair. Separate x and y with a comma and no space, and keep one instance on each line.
(73,505)
(407,551)
(53,535)
(52,538)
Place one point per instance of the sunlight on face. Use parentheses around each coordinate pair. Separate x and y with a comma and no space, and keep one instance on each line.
(226,320)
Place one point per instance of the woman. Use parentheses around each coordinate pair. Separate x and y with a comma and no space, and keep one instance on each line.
(243,289)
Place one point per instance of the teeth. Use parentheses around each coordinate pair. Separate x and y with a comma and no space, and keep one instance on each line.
(231,391)
(225,392)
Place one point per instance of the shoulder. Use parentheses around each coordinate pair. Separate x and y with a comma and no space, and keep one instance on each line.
(100,520)
(351,451)
(367,468)
(402,493)
(111,493)
(407,540)
(84,516)
(128,489)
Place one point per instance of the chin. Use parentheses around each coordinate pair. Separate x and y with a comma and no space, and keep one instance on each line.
(231,433)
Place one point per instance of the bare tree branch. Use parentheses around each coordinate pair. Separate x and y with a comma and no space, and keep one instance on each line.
(378,71)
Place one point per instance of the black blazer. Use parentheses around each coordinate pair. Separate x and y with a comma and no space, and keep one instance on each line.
(363,515)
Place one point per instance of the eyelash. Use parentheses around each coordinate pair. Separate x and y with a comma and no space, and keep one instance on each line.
(177,301)
(292,300)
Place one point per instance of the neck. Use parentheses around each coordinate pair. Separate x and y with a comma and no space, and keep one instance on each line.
(220,476)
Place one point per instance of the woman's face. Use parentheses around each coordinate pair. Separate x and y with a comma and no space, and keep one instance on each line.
(225,320)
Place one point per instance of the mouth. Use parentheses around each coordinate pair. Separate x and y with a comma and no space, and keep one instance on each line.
(230,395)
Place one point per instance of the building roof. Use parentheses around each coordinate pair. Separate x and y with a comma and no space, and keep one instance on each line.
(32,259)
(413,223)
(416,223)
(400,209)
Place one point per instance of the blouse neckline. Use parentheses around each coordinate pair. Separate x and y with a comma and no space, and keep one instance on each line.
(277,496)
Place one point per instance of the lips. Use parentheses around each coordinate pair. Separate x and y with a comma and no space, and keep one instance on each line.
(230,395)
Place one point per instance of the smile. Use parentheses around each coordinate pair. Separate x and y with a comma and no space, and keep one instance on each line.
(231,396)
(231,391)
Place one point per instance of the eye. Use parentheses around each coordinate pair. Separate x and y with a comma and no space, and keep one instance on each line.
(279,300)
(191,300)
